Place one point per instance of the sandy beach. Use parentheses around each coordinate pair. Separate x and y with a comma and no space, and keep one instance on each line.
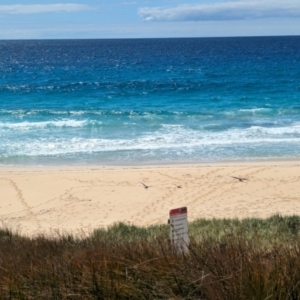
(47,200)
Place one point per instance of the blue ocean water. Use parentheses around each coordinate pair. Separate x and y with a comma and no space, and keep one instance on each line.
(148,101)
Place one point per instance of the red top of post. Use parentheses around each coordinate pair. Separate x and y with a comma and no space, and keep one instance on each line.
(178,211)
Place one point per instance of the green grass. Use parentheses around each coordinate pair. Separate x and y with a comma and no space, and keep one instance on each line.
(227,259)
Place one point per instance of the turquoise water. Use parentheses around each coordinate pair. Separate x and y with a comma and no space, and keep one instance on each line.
(149,101)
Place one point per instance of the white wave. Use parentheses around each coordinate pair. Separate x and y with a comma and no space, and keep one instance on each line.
(251,112)
(172,126)
(276,131)
(169,138)
(33,112)
(255,110)
(26,125)
(89,146)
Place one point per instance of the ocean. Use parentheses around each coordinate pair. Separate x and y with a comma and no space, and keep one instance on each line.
(149,101)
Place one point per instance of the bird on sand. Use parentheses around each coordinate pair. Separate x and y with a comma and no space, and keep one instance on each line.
(145,186)
(239,178)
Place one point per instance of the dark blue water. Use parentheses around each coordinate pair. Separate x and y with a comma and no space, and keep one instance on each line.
(149,100)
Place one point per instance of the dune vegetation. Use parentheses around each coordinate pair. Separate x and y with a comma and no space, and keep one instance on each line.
(227,259)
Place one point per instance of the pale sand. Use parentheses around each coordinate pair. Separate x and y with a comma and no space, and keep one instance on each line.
(79,199)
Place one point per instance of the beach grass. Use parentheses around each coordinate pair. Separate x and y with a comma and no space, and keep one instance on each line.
(227,259)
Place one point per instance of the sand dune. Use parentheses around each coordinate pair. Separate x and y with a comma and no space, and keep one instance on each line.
(79,199)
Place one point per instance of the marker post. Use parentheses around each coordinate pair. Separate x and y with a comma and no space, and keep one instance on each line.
(179,229)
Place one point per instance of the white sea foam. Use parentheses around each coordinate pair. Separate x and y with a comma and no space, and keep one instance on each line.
(276,131)
(169,138)
(255,110)
(26,125)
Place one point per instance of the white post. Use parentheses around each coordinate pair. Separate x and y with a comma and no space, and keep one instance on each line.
(179,229)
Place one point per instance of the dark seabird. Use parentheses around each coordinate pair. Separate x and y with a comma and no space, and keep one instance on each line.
(239,178)
(145,186)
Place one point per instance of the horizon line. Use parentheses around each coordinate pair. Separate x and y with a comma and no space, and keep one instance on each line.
(151,38)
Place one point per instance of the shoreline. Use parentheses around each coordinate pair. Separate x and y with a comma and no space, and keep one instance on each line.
(278,160)
(78,199)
